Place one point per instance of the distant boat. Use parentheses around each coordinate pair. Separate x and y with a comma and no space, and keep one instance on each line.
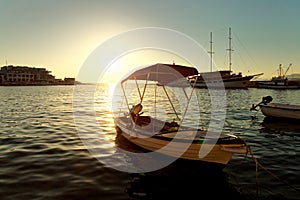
(229,79)
(170,138)
(278,110)
(279,82)
(222,78)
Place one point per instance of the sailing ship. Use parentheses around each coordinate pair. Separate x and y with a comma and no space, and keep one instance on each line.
(280,81)
(170,136)
(221,78)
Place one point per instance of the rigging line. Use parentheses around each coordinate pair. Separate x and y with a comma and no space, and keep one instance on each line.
(243,64)
(273,74)
(225,59)
(244,47)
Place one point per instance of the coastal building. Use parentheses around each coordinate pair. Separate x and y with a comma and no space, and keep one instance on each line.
(66,81)
(23,75)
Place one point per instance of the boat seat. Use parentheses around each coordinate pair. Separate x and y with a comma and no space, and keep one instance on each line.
(142,120)
(135,111)
(170,127)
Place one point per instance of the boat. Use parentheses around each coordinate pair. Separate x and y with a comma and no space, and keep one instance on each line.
(276,111)
(221,78)
(280,81)
(171,134)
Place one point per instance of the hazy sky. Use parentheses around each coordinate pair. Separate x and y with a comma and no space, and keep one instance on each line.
(61,34)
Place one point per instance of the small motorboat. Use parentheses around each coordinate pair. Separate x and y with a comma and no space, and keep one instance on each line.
(170,135)
(278,110)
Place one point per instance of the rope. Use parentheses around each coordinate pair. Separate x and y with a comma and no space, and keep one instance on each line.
(268,171)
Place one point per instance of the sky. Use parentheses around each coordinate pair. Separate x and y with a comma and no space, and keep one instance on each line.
(61,35)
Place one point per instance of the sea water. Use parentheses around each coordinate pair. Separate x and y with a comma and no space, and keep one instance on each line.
(42,155)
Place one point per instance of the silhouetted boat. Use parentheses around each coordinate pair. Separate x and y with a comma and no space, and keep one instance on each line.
(171,138)
(221,78)
(278,110)
(279,82)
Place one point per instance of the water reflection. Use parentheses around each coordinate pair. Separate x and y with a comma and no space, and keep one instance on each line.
(280,127)
(181,179)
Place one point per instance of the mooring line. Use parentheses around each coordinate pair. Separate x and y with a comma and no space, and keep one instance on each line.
(268,171)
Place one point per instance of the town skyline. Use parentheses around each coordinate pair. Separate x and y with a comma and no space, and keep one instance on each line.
(30,76)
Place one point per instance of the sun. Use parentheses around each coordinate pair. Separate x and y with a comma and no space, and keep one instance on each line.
(125,64)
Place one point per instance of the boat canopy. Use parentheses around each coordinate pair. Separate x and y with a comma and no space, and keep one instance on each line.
(162,73)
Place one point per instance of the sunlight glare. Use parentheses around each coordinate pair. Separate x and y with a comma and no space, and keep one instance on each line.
(142,57)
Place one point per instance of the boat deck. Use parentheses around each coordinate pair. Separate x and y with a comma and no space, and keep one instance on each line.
(146,126)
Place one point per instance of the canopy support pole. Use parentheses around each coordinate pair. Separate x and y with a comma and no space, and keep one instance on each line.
(145,86)
(171,103)
(137,86)
(125,98)
(188,101)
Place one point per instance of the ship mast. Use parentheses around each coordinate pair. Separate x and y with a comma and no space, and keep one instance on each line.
(279,70)
(229,49)
(287,69)
(211,52)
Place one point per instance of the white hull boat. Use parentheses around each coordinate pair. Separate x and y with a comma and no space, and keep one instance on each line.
(278,110)
(221,79)
(171,137)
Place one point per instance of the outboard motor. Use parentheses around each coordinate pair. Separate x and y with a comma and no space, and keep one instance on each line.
(266,99)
